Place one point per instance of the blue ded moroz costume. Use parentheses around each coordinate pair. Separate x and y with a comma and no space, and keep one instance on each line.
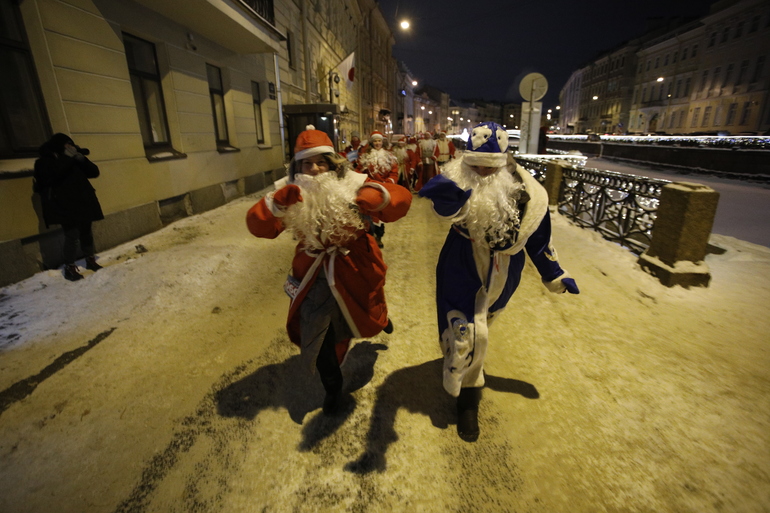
(498,211)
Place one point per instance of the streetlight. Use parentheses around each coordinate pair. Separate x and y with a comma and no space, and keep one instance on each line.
(595,98)
(660,79)
(414,82)
(404,25)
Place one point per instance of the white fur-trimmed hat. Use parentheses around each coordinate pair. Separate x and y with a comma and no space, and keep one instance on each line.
(376,135)
(487,146)
(312,142)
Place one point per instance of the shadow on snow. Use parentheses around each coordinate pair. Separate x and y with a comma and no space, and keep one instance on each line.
(418,389)
(287,385)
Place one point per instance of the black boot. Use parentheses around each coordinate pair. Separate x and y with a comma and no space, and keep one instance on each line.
(468,414)
(332,402)
(91,264)
(71,272)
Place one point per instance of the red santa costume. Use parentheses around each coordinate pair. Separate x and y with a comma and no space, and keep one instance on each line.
(377,162)
(338,274)
(427,152)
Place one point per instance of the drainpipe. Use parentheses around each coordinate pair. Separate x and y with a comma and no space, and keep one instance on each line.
(280,106)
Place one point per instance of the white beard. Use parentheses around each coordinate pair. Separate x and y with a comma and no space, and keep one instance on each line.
(327,215)
(492,212)
(381,161)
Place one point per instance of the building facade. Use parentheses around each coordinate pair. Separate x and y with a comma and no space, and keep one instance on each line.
(704,76)
(184,105)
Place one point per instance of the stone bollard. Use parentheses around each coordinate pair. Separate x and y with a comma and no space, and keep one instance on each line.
(553,175)
(680,235)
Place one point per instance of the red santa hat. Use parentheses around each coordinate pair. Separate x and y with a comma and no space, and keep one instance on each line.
(312,142)
(376,135)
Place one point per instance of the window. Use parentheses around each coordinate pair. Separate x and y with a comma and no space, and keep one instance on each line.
(657,62)
(728,74)
(686,87)
(746,113)
(694,51)
(24,122)
(695,114)
(706,116)
(217,93)
(715,78)
(258,112)
(754,24)
(665,60)
(758,69)
(725,35)
(148,96)
(290,49)
(731,114)
(712,39)
(742,72)
(739,29)
(684,54)
(718,116)
(674,58)
(703,80)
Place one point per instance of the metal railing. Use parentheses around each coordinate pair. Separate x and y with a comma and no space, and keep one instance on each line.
(263,8)
(621,207)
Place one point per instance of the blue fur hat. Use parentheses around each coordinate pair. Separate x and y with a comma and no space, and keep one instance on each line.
(487,146)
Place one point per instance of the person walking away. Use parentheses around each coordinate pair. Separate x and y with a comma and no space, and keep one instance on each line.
(427,150)
(337,279)
(61,177)
(380,165)
(498,212)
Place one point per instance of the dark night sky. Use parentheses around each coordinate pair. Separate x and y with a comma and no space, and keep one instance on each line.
(482,49)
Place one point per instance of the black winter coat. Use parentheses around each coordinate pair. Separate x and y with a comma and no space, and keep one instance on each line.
(67,197)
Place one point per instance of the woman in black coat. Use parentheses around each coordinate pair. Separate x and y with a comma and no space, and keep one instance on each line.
(68,199)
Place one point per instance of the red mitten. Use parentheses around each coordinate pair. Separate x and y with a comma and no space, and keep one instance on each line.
(287,196)
(370,199)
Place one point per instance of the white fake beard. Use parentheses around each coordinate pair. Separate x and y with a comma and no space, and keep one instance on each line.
(327,215)
(382,160)
(492,212)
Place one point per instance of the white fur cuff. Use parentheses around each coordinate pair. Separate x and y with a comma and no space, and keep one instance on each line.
(556,286)
(272,206)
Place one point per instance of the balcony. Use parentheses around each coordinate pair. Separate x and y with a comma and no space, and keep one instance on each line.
(242,26)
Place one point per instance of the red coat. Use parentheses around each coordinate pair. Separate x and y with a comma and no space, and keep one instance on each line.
(356,273)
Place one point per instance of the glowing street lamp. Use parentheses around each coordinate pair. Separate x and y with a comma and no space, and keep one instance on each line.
(414,82)
(660,79)
(404,25)
(595,98)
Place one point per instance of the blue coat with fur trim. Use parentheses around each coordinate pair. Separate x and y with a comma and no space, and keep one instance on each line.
(475,282)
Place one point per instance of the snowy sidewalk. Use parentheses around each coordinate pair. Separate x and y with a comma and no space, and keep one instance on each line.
(165,382)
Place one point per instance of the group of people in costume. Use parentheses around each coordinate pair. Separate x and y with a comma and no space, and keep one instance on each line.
(419,158)
(336,286)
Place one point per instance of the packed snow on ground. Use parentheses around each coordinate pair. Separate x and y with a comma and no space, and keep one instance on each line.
(628,397)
